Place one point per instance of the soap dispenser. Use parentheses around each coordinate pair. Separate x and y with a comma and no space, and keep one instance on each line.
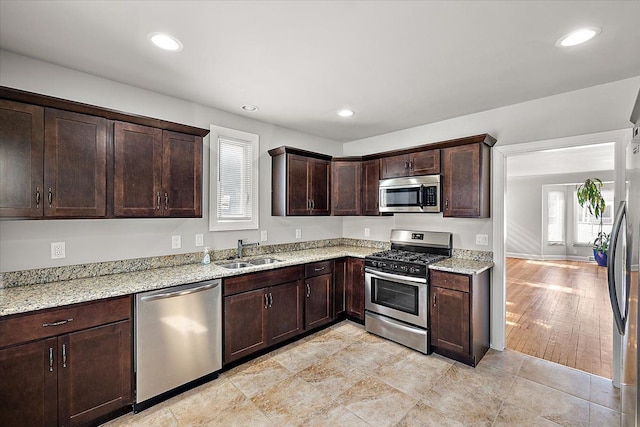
(206,259)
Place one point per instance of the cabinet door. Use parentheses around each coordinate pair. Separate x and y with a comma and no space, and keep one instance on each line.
(28,389)
(370,180)
(75,166)
(450,320)
(285,311)
(346,188)
(320,186)
(339,287)
(461,181)
(317,306)
(137,171)
(182,175)
(245,324)
(395,166)
(21,159)
(298,197)
(425,162)
(95,372)
(355,288)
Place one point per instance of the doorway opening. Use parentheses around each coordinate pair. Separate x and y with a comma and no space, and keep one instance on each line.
(557,304)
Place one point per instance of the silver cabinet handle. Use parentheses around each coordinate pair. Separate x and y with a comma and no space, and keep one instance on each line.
(434,300)
(50,197)
(411,165)
(158,200)
(446,204)
(166,201)
(406,165)
(64,355)
(319,269)
(50,359)
(58,323)
(37,196)
(266,300)
(270,299)
(308,290)
(179,293)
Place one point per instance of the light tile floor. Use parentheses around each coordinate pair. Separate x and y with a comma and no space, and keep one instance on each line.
(343,376)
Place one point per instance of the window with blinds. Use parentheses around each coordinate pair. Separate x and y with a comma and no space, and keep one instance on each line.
(234,183)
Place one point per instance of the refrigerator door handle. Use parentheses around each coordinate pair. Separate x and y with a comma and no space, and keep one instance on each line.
(611,273)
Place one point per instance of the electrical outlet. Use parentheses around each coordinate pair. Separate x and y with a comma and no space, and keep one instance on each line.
(57,250)
(482,239)
(298,233)
(176,242)
(199,240)
(367,232)
(263,236)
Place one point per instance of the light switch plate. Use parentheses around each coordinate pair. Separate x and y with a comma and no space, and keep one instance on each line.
(367,232)
(58,250)
(298,233)
(199,240)
(176,242)
(263,236)
(482,239)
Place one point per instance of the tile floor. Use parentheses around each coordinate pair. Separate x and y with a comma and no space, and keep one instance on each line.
(343,376)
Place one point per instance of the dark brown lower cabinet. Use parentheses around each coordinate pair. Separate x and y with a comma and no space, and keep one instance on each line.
(459,315)
(71,379)
(317,307)
(339,287)
(355,289)
(255,319)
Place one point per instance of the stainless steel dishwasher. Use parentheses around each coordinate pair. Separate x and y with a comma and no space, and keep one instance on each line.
(178,337)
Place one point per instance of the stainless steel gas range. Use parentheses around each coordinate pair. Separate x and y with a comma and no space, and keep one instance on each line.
(397,286)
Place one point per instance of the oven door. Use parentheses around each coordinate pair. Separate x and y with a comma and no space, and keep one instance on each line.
(399,297)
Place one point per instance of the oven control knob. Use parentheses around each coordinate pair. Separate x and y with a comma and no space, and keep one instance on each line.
(373,263)
(404,268)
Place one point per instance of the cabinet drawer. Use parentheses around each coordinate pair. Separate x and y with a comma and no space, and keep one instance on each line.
(318,268)
(458,282)
(249,282)
(28,327)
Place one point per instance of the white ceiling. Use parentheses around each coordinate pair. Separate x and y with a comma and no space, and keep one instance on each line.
(586,158)
(397,64)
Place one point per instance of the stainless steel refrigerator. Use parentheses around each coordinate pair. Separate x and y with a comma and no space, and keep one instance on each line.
(623,276)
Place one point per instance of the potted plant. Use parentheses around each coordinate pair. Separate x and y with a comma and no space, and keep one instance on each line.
(590,195)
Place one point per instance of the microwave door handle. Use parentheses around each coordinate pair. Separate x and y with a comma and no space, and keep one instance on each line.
(611,273)
(421,196)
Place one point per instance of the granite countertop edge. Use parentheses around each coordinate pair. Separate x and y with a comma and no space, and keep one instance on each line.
(23,299)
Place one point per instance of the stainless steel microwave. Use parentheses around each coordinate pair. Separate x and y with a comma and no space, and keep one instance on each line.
(411,194)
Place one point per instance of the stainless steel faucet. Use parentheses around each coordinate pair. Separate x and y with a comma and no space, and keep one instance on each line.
(241,246)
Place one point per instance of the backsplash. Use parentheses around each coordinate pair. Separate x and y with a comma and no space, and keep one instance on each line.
(79,271)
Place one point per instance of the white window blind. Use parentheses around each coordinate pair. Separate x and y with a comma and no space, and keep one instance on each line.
(234,180)
(235,176)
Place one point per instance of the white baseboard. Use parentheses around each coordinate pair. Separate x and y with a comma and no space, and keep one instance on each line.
(550,257)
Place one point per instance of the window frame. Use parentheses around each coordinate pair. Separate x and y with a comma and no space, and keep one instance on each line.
(227,224)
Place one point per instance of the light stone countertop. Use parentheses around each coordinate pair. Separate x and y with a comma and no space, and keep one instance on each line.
(22,299)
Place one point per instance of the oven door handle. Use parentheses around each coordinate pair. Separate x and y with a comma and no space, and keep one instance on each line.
(395,276)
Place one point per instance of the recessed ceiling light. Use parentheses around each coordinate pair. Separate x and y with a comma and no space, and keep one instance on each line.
(578,37)
(345,113)
(165,41)
(249,108)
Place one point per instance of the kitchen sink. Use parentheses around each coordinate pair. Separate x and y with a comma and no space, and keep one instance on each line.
(261,261)
(236,265)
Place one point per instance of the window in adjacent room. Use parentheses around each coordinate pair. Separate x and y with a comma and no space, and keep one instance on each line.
(233,189)
(586,226)
(555,218)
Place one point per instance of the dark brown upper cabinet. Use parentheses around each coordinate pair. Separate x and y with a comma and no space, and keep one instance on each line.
(370,181)
(54,163)
(58,160)
(157,173)
(466,181)
(21,159)
(418,163)
(346,191)
(300,182)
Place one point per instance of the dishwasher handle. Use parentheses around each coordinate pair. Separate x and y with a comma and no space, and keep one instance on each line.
(179,293)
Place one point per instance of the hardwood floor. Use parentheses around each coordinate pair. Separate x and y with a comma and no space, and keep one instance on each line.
(559,311)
